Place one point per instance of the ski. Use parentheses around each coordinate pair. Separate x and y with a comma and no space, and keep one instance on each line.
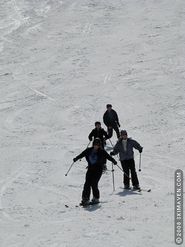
(138,190)
(146,190)
(89,204)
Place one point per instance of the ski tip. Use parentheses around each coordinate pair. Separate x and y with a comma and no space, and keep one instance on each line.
(148,190)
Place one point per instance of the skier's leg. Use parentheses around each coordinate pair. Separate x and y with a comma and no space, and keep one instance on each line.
(109,132)
(87,187)
(135,181)
(117,131)
(126,174)
(96,178)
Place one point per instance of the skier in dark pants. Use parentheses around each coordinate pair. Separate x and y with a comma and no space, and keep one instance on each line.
(98,132)
(124,147)
(96,157)
(110,119)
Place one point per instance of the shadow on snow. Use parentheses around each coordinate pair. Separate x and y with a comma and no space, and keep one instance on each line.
(128,193)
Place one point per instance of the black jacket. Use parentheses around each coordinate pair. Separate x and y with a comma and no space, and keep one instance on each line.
(111,118)
(101,133)
(102,156)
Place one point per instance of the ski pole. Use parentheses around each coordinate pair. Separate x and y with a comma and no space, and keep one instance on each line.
(88,144)
(111,142)
(113,177)
(123,171)
(69,168)
(140,163)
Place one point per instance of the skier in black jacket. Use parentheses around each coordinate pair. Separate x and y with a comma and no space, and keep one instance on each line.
(96,158)
(98,132)
(110,119)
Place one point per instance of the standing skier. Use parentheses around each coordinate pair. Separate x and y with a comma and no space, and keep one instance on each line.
(96,158)
(98,132)
(110,119)
(124,147)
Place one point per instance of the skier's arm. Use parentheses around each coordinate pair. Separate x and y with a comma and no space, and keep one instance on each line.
(110,158)
(80,156)
(90,136)
(137,146)
(116,118)
(115,150)
(105,119)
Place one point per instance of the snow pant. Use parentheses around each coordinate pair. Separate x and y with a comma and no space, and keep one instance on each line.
(110,130)
(91,182)
(129,166)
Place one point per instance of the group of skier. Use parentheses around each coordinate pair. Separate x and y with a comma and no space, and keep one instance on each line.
(97,156)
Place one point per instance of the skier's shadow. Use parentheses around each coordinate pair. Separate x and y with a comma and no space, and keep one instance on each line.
(128,193)
(93,208)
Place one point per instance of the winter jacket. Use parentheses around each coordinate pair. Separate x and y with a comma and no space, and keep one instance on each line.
(101,156)
(110,118)
(101,133)
(129,153)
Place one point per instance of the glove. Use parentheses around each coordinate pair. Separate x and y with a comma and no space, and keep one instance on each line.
(111,153)
(115,162)
(141,150)
(119,125)
(75,159)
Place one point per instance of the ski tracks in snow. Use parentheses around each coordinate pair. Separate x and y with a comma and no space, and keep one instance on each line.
(107,78)
(5,185)
(87,29)
(42,94)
